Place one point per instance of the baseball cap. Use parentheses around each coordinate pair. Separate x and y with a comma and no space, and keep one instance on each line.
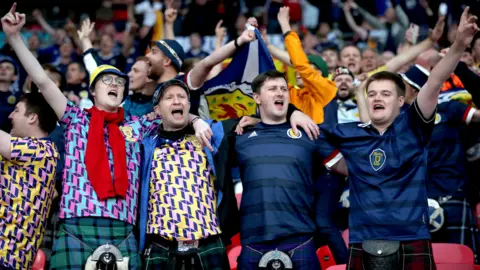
(161,90)
(173,50)
(416,76)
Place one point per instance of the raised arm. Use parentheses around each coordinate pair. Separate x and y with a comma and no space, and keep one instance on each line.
(12,23)
(428,97)
(351,22)
(170,17)
(199,73)
(84,37)
(37,14)
(220,34)
(413,52)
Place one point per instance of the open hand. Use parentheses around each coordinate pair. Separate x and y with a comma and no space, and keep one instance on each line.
(86,29)
(13,21)
(246,121)
(203,132)
(299,119)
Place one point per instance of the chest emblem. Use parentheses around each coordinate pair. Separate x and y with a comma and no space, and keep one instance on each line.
(128,133)
(292,134)
(438,118)
(193,140)
(377,159)
(11,100)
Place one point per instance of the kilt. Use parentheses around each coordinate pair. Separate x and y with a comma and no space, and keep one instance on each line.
(302,253)
(414,255)
(211,254)
(49,237)
(460,226)
(77,238)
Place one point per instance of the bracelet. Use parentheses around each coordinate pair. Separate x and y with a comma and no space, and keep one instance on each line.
(195,119)
(236,43)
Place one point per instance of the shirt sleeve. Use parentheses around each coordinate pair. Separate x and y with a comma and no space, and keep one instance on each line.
(72,112)
(318,90)
(325,149)
(421,126)
(27,151)
(459,112)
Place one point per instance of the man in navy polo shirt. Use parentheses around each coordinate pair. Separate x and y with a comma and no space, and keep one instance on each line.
(279,203)
(387,165)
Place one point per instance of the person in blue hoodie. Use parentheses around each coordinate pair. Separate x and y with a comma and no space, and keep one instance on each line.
(187,204)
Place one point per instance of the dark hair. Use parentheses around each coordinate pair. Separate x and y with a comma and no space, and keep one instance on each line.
(36,103)
(189,63)
(388,76)
(258,82)
(81,66)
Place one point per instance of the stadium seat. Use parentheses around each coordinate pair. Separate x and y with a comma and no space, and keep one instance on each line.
(345,236)
(444,253)
(40,260)
(454,266)
(325,257)
(233,255)
(337,267)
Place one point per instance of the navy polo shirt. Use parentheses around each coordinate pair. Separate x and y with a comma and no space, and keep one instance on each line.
(387,175)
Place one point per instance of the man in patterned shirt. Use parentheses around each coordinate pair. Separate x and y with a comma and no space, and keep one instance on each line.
(98,206)
(27,178)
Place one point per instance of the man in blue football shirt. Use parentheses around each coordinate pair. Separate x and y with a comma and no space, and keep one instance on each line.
(387,165)
(278,211)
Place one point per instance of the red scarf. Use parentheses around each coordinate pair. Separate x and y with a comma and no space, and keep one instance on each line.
(96,157)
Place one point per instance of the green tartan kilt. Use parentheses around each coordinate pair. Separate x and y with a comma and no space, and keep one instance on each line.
(212,255)
(77,238)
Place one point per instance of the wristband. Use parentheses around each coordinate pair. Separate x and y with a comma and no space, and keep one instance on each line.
(236,43)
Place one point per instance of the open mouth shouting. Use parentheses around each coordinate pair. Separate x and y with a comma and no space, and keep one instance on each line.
(113,93)
(177,113)
(279,104)
(378,107)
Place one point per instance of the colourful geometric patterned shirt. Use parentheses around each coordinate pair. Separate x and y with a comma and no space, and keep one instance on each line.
(182,202)
(78,196)
(27,183)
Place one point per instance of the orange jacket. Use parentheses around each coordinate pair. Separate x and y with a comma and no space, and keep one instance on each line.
(317,92)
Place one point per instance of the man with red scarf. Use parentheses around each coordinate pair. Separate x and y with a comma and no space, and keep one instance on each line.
(102,158)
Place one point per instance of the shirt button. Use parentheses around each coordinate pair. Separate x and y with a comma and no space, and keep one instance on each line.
(379,252)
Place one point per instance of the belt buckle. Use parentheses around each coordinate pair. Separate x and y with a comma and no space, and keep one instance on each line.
(184,246)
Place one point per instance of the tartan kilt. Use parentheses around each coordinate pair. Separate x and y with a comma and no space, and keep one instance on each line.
(414,255)
(77,238)
(460,226)
(212,255)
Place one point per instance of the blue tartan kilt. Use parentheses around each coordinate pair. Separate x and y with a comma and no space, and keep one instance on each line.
(460,226)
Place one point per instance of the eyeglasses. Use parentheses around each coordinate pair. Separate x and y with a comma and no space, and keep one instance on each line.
(108,79)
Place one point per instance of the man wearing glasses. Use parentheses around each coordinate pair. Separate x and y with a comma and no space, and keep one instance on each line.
(99,201)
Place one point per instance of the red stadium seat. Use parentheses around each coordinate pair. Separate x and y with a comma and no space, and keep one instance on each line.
(337,267)
(233,255)
(325,257)
(444,253)
(454,266)
(346,236)
(40,260)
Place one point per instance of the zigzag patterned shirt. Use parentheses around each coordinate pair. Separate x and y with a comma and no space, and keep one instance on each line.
(182,203)
(26,194)
(78,196)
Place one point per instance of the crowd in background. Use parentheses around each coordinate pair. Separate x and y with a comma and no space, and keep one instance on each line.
(359,36)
